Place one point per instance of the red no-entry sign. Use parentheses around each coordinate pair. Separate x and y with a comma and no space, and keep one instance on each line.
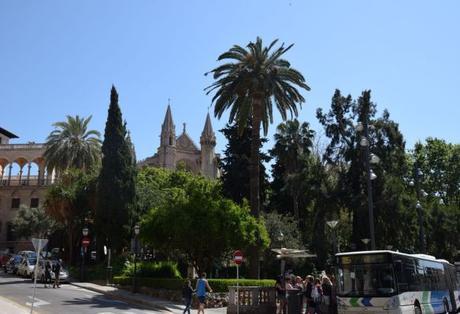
(238,257)
(85,241)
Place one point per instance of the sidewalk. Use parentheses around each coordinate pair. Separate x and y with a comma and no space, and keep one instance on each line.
(9,307)
(152,303)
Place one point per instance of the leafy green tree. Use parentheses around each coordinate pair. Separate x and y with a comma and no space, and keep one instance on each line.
(116,183)
(248,86)
(192,217)
(293,144)
(235,165)
(33,222)
(70,201)
(344,154)
(438,166)
(72,145)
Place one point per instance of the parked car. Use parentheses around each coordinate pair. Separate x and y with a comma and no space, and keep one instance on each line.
(28,254)
(13,264)
(4,258)
(27,266)
(63,274)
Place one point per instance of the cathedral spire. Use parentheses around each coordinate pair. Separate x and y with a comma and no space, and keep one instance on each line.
(208,132)
(168,130)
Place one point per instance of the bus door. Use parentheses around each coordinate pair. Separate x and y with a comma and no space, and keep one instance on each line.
(451,285)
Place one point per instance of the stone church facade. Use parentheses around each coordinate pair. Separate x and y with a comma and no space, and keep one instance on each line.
(181,151)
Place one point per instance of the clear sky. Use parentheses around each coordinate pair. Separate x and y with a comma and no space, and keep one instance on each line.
(60,58)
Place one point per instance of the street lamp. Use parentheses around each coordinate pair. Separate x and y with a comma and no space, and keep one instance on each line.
(333,224)
(418,206)
(84,232)
(366,242)
(280,238)
(137,229)
(370,159)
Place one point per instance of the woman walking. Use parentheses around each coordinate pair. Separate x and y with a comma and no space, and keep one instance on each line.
(201,286)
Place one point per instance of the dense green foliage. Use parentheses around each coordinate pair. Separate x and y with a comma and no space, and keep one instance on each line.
(72,145)
(163,269)
(116,184)
(33,222)
(189,214)
(70,201)
(217,285)
(235,165)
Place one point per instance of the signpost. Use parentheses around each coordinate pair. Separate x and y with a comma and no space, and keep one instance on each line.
(238,259)
(39,244)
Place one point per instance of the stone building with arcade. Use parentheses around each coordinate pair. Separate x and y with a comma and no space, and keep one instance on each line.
(23,182)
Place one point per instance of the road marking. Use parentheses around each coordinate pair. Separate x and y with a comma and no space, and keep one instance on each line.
(37,302)
(106,313)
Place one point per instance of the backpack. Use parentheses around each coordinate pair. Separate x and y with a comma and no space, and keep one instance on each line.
(316,295)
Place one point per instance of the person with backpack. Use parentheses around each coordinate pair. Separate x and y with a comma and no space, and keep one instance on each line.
(47,274)
(326,285)
(316,296)
(187,293)
(56,270)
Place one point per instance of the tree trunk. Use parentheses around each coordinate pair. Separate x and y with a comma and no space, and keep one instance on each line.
(254,180)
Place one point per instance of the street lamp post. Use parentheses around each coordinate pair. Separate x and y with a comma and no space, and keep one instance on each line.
(374,159)
(84,232)
(333,224)
(280,239)
(366,242)
(136,234)
(418,206)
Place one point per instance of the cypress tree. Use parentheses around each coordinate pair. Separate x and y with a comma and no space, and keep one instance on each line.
(116,184)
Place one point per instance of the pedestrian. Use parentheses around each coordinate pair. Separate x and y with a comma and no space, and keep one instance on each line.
(47,274)
(334,309)
(316,296)
(201,286)
(281,295)
(308,289)
(187,292)
(56,270)
(326,286)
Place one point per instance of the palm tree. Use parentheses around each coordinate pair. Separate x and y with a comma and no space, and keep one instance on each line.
(71,145)
(248,86)
(293,145)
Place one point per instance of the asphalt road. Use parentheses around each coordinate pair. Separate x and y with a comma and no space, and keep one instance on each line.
(67,299)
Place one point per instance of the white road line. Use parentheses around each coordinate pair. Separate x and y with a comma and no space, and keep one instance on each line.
(37,302)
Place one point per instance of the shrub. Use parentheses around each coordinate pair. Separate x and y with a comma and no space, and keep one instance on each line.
(164,269)
(217,285)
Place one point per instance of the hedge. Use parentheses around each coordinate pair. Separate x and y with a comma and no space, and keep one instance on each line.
(163,269)
(217,285)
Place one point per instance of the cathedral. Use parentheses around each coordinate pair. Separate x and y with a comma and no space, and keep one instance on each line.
(181,151)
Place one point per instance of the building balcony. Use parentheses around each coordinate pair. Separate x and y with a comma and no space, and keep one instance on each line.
(32,181)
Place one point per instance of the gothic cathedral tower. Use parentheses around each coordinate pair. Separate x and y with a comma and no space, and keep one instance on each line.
(208,157)
(167,149)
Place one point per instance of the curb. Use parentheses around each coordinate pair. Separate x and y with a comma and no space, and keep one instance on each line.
(120,297)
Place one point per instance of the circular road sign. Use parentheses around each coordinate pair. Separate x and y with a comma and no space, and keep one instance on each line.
(85,241)
(238,257)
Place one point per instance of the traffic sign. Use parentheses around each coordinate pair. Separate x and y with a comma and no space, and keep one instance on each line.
(85,241)
(39,243)
(238,257)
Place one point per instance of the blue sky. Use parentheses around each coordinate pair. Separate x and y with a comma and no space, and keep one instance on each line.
(60,58)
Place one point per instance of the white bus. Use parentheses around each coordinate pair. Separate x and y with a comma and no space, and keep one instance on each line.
(393,282)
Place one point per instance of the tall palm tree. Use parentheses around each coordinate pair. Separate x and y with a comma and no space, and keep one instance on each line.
(293,145)
(72,145)
(248,86)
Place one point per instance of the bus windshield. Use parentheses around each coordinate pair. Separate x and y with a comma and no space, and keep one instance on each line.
(366,280)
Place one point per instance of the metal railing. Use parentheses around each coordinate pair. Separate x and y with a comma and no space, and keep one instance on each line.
(21,146)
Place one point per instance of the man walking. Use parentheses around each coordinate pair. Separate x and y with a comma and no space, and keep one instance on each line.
(201,286)
(47,274)
(56,271)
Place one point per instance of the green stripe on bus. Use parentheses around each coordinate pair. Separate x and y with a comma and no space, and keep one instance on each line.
(354,302)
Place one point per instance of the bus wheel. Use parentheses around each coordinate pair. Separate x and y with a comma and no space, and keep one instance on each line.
(417,309)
